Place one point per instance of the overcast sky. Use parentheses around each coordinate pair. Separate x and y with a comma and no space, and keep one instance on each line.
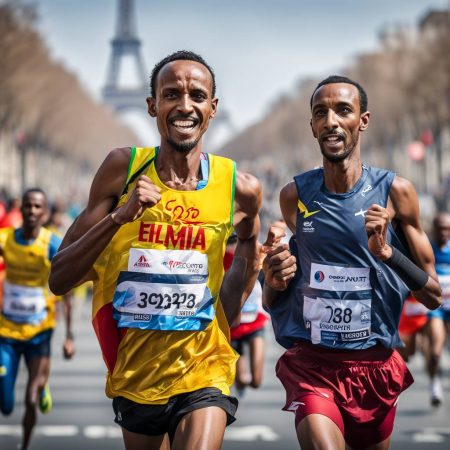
(258,48)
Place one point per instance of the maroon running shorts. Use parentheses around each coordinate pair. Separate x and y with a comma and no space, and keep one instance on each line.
(358,390)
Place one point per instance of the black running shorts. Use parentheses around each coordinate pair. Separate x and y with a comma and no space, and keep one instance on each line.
(154,420)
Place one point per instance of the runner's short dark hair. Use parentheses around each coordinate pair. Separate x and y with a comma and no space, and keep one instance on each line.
(183,55)
(32,191)
(363,102)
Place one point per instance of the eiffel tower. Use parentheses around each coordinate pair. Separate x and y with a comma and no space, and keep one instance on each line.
(126,43)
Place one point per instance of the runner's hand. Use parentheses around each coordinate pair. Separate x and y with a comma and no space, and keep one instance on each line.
(144,195)
(274,235)
(279,267)
(376,222)
(277,231)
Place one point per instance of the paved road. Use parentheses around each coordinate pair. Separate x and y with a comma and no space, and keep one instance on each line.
(82,416)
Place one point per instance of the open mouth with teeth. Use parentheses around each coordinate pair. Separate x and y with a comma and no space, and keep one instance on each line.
(184,125)
(333,140)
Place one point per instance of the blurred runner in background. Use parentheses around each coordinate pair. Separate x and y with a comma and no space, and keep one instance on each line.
(28,312)
(412,327)
(247,335)
(439,319)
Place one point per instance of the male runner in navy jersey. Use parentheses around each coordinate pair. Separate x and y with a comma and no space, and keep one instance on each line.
(360,248)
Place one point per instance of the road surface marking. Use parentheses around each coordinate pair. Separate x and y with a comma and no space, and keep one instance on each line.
(251,433)
(248,433)
(45,430)
(98,432)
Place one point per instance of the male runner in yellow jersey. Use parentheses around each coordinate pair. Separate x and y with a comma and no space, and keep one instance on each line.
(27,318)
(153,238)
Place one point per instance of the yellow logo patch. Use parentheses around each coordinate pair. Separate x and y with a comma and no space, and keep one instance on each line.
(3,371)
(304,210)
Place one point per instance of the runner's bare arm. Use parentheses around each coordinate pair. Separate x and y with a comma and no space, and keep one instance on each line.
(279,265)
(96,225)
(239,280)
(69,342)
(288,205)
(403,209)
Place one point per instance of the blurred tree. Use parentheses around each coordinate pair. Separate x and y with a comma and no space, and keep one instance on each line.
(65,132)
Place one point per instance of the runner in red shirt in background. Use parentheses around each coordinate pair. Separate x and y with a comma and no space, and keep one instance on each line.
(412,324)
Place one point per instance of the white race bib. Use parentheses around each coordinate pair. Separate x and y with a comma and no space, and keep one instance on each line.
(332,320)
(444,281)
(23,304)
(179,300)
(339,278)
(166,284)
(253,305)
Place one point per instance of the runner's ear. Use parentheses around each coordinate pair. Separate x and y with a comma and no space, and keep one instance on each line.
(151,106)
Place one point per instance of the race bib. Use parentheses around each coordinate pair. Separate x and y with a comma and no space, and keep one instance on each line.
(339,278)
(148,298)
(444,281)
(163,289)
(414,308)
(253,305)
(23,304)
(168,262)
(330,321)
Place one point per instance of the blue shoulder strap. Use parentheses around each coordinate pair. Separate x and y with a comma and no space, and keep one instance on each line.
(204,168)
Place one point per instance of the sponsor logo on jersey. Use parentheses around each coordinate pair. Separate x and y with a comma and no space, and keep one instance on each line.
(319,276)
(294,406)
(182,214)
(190,267)
(308,227)
(142,262)
(367,189)
(182,237)
(304,210)
(355,335)
(365,315)
(345,279)
(340,278)
(361,212)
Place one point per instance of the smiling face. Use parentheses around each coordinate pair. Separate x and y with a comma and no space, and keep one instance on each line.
(183,104)
(337,121)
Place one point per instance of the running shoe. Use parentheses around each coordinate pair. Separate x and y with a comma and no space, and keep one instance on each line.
(45,400)
(436,392)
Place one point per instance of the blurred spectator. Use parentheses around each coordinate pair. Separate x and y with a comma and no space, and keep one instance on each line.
(13,216)
(2,210)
